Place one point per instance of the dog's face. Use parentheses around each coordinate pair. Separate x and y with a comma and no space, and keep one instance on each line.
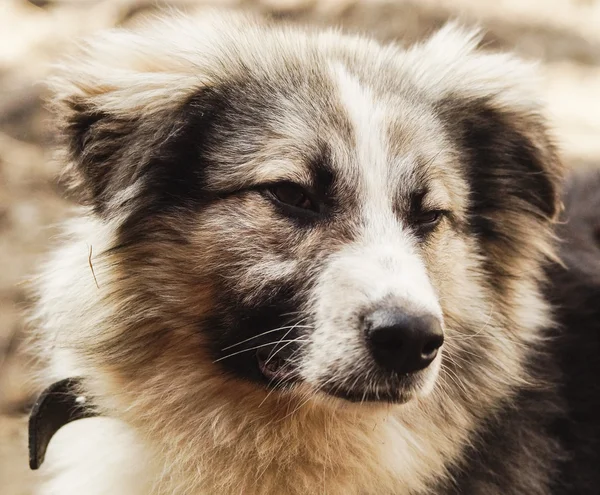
(322,229)
(311,212)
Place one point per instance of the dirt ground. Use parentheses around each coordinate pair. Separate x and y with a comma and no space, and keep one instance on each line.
(563,34)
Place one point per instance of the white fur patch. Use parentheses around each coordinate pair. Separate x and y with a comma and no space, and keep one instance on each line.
(96,456)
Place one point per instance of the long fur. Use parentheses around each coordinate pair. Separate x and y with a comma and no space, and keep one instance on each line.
(171,134)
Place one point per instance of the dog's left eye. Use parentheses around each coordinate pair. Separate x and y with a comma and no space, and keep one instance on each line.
(429,219)
(292,196)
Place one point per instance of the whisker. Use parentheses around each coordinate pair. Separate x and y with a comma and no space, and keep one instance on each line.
(246,350)
(454,378)
(451,346)
(462,338)
(293,313)
(275,351)
(263,334)
(282,339)
(281,380)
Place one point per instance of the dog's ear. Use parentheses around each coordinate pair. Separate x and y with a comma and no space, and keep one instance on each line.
(120,106)
(490,104)
(511,162)
(108,153)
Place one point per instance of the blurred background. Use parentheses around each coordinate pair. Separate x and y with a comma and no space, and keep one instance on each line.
(563,34)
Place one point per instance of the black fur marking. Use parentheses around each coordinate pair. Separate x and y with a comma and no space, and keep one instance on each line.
(321,193)
(509,173)
(96,138)
(415,210)
(236,331)
(83,121)
(506,169)
(323,174)
(176,176)
(505,162)
(220,127)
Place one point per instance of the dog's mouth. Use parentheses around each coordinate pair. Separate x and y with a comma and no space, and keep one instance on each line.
(374,387)
(365,395)
(278,370)
(275,366)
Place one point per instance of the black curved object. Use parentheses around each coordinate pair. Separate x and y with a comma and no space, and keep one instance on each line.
(60,404)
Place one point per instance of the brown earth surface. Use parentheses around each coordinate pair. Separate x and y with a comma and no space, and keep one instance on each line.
(563,34)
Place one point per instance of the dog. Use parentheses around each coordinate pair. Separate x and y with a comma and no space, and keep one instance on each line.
(306,262)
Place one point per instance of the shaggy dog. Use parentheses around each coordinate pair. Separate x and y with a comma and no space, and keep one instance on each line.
(310,263)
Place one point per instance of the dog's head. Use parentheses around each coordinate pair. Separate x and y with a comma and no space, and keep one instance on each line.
(308,212)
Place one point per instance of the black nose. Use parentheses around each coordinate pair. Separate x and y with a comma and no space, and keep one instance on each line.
(403,342)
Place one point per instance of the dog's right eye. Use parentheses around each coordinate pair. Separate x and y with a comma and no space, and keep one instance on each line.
(292,197)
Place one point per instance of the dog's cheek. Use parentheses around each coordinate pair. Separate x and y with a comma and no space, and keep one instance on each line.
(253,260)
(248,250)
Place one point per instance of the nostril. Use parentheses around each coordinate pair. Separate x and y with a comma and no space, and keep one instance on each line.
(429,350)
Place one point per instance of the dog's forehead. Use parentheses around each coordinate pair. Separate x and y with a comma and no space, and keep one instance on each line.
(369,134)
(398,141)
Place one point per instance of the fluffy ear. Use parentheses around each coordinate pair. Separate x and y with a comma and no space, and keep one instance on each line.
(109,155)
(511,160)
(490,104)
(515,178)
(121,104)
